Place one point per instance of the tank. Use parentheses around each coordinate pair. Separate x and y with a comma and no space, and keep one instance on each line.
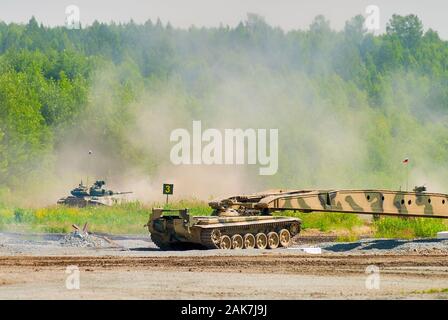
(247,221)
(233,224)
(95,195)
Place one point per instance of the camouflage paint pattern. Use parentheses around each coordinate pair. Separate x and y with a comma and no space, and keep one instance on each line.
(170,230)
(378,202)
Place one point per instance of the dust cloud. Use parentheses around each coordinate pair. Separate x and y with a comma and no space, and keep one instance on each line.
(329,135)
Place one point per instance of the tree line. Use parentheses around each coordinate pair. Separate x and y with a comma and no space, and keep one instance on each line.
(390,90)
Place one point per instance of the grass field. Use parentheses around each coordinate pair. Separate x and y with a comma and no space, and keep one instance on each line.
(129,219)
(121,219)
(409,228)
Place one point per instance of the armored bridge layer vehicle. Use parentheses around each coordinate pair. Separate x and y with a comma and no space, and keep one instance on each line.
(95,195)
(246,221)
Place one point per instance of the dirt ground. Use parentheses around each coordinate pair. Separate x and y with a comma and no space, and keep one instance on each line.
(131,267)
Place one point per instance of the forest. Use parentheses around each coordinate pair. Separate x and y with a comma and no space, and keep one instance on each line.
(349,105)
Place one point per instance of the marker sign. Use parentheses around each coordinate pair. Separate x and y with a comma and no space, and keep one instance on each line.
(168,188)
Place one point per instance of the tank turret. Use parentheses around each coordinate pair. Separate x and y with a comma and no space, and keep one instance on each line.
(80,191)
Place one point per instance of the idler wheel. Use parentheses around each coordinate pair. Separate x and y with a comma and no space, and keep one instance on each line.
(273,240)
(237,242)
(285,238)
(249,241)
(261,241)
(294,229)
(226,243)
(216,237)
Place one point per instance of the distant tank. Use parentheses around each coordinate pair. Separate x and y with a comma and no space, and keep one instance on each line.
(95,195)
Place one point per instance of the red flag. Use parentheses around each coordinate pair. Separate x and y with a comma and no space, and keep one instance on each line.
(405,161)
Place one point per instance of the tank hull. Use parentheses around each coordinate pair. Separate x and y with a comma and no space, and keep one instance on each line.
(72,201)
(185,231)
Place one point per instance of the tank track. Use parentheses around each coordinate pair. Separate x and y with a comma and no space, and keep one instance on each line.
(159,242)
(206,234)
(166,245)
(206,239)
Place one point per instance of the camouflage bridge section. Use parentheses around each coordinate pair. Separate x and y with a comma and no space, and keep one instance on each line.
(377,202)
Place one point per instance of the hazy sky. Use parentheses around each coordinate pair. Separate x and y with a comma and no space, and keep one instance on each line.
(288,14)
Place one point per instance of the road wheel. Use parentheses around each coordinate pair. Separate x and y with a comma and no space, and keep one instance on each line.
(249,241)
(261,240)
(237,242)
(273,240)
(226,243)
(285,238)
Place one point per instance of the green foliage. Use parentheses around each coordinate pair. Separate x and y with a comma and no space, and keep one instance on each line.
(352,104)
(120,219)
(408,29)
(408,228)
(431,291)
(326,221)
(196,207)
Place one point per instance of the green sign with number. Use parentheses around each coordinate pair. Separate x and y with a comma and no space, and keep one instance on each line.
(168,188)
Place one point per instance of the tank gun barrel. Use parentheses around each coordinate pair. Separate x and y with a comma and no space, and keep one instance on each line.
(124,192)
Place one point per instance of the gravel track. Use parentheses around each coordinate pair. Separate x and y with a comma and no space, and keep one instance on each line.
(277,263)
(34,267)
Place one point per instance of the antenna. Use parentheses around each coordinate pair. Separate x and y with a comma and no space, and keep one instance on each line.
(89,165)
(406,165)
